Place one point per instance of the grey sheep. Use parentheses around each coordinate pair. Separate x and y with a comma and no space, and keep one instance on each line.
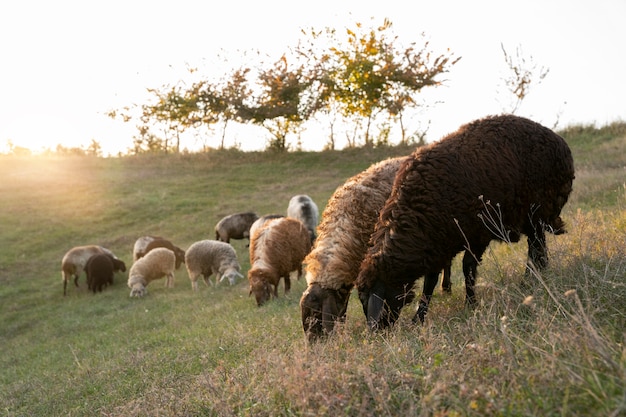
(156,264)
(235,226)
(208,257)
(303,208)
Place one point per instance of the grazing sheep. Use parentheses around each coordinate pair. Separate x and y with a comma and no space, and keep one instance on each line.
(301,207)
(276,249)
(208,257)
(333,264)
(139,249)
(100,269)
(235,226)
(158,263)
(164,243)
(74,261)
(446,198)
(262,220)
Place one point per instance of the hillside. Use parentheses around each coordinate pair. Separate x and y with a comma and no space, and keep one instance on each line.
(214,352)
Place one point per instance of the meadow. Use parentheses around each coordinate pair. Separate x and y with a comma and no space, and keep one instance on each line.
(549,344)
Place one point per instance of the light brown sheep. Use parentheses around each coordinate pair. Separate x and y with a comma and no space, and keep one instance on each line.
(276,249)
(156,264)
(333,264)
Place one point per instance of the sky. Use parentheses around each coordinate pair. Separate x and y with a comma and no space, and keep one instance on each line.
(65,64)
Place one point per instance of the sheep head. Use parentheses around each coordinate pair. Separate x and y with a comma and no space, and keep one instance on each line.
(138,290)
(231,274)
(321,308)
(260,285)
(382,303)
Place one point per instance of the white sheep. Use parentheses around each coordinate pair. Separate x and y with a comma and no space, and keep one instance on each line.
(208,257)
(156,264)
(74,261)
(303,208)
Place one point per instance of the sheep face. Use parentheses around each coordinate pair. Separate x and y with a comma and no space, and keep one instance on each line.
(382,304)
(321,308)
(231,275)
(138,290)
(260,286)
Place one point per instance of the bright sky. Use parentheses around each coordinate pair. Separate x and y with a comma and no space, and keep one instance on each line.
(65,63)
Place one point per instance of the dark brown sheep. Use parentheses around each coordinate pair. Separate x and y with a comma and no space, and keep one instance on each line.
(235,226)
(506,168)
(164,243)
(100,269)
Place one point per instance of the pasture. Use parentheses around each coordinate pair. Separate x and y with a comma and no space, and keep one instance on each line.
(552,344)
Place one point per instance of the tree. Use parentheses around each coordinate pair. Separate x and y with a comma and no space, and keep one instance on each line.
(279,106)
(523,74)
(370,75)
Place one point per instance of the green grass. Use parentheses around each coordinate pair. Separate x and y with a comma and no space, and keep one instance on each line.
(531,347)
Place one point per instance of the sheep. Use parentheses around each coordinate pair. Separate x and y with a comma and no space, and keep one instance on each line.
(276,249)
(100,269)
(301,207)
(74,261)
(444,197)
(208,257)
(158,263)
(235,226)
(139,249)
(164,243)
(332,265)
(262,220)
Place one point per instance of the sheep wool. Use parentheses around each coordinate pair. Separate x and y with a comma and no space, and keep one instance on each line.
(276,250)
(493,179)
(208,257)
(235,226)
(156,264)
(333,264)
(303,208)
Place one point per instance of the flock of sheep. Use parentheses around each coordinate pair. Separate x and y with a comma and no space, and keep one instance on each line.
(496,178)
(278,246)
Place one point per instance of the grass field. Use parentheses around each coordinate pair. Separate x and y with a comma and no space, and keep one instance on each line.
(549,345)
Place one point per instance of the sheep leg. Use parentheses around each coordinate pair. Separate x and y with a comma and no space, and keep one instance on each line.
(287,284)
(471,260)
(446,283)
(76,280)
(537,254)
(430,282)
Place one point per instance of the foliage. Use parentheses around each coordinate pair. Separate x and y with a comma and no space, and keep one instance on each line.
(371,74)
(549,344)
(523,74)
(367,76)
